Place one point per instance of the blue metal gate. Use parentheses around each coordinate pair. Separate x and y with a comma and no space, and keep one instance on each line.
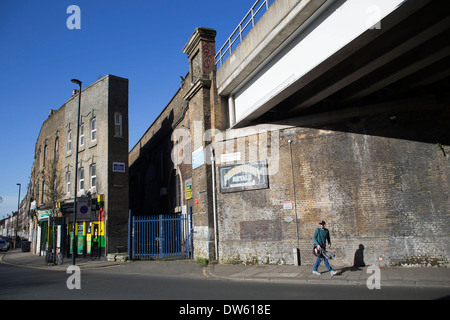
(161,236)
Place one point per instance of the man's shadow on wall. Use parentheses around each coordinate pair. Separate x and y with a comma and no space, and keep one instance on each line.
(358,261)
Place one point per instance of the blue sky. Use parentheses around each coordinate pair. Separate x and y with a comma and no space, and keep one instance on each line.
(141,40)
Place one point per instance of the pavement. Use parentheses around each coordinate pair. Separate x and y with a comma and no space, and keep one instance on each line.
(389,276)
(27,259)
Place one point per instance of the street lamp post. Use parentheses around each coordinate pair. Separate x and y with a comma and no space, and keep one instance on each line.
(76,170)
(17,218)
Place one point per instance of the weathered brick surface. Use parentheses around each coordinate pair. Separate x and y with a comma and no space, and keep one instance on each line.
(387,191)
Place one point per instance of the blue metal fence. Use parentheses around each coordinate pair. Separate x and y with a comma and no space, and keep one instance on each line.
(161,236)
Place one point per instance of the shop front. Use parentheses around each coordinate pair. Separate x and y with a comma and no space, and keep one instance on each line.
(43,238)
(89,229)
(48,233)
(89,238)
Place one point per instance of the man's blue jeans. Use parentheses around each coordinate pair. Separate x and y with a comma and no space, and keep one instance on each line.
(319,260)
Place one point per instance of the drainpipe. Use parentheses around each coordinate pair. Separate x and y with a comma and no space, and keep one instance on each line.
(213,169)
(296,250)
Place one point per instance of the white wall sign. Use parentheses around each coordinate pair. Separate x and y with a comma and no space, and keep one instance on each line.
(229,157)
(288,205)
(198,158)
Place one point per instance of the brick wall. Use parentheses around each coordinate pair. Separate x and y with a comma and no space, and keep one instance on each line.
(380,182)
(99,100)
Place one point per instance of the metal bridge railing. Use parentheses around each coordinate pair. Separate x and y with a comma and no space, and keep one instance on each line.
(241,30)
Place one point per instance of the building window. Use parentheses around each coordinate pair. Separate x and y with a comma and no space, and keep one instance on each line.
(81,178)
(37,190)
(55,187)
(68,182)
(94,129)
(69,141)
(43,192)
(45,156)
(56,149)
(93,176)
(82,135)
(117,124)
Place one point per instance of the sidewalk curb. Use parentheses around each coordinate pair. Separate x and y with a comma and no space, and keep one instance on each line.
(63,267)
(211,273)
(329,281)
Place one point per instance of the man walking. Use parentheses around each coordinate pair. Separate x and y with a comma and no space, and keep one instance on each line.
(321,236)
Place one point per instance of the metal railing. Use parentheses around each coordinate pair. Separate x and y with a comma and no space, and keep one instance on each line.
(241,30)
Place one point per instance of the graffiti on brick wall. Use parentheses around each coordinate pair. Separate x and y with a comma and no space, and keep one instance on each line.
(208,55)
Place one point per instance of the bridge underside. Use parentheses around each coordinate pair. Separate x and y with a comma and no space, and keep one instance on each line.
(401,65)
